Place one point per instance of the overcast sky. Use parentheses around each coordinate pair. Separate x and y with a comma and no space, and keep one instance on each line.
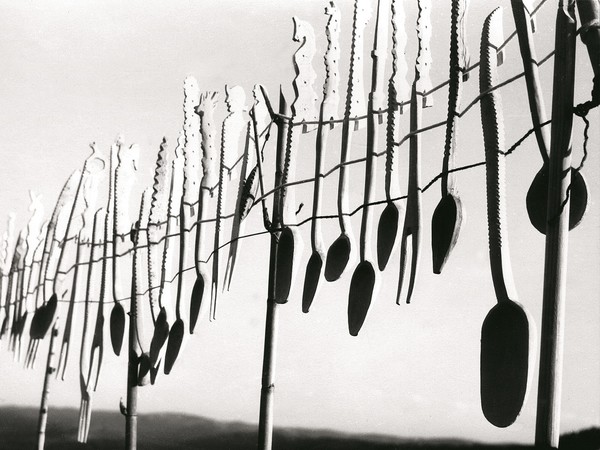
(75,72)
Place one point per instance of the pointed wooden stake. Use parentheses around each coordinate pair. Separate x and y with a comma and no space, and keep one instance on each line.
(547,430)
(265,421)
(50,369)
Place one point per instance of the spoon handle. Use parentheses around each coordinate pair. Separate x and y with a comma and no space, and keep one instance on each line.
(523,22)
(493,137)
(458,64)
(354,104)
(398,90)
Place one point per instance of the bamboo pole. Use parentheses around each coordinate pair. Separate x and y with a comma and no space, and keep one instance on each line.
(547,431)
(50,369)
(265,421)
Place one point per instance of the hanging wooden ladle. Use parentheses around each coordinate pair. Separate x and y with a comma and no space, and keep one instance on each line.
(536,199)
(341,252)
(328,111)
(123,183)
(157,247)
(448,215)
(304,109)
(178,328)
(206,109)
(505,334)
(387,230)
(364,279)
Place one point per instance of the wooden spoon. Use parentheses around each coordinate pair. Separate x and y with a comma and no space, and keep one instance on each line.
(505,334)
(536,199)
(303,109)
(124,179)
(178,328)
(328,111)
(208,129)
(448,215)
(387,229)
(341,251)
(364,279)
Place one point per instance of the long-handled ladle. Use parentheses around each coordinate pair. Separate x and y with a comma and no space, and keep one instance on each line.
(340,252)
(123,183)
(505,334)
(448,215)
(303,109)
(158,220)
(206,109)
(387,229)
(328,111)
(364,279)
(536,199)
(44,314)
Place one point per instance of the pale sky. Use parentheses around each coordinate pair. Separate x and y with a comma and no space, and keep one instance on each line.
(76,72)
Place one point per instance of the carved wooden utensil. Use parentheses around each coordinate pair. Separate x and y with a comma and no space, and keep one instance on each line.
(448,215)
(208,129)
(536,199)
(505,334)
(187,209)
(85,362)
(387,230)
(340,252)
(328,111)
(303,108)
(44,314)
(124,179)
(364,279)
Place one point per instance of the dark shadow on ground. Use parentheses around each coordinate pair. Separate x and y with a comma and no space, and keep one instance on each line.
(185,432)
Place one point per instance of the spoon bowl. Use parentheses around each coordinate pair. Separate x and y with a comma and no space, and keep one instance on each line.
(360,296)
(117,327)
(445,226)
(505,341)
(159,337)
(174,345)
(144,367)
(285,265)
(387,230)
(536,199)
(311,280)
(46,315)
(196,301)
(338,256)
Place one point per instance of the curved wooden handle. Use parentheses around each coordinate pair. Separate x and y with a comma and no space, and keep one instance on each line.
(493,137)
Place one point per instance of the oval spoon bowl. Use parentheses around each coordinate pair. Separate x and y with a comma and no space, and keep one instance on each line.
(360,296)
(536,200)
(387,230)
(445,227)
(117,327)
(159,337)
(196,301)
(285,265)
(311,280)
(338,256)
(505,341)
(174,345)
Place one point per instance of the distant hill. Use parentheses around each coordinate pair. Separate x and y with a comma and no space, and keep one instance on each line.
(186,432)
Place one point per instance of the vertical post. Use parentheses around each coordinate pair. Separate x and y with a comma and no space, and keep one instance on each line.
(50,369)
(132,371)
(265,420)
(547,431)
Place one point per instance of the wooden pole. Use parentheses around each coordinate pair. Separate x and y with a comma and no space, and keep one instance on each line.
(50,369)
(547,431)
(265,421)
